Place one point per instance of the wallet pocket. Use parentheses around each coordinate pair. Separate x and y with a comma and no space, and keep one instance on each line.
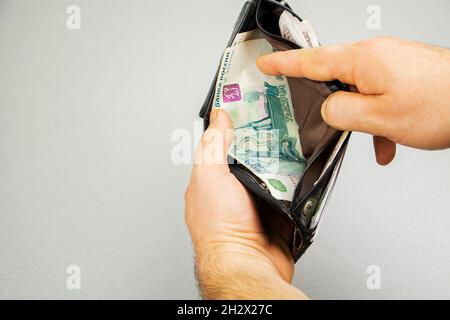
(268,14)
(316,137)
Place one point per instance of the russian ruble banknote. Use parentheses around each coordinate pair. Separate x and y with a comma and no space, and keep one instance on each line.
(299,32)
(266,138)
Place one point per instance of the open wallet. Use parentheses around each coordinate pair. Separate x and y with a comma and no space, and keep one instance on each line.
(297,219)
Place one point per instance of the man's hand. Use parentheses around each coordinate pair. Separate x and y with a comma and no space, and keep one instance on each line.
(404,90)
(235,258)
(403,97)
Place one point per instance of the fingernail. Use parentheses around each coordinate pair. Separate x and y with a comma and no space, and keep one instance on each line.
(323,110)
(260,60)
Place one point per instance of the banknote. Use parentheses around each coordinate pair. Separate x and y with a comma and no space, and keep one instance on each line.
(307,28)
(246,36)
(299,32)
(266,138)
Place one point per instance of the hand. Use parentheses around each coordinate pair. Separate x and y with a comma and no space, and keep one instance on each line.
(404,90)
(235,257)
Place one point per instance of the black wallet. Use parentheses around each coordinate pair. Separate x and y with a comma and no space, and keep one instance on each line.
(297,222)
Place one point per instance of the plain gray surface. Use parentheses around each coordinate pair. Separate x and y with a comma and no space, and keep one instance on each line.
(86,176)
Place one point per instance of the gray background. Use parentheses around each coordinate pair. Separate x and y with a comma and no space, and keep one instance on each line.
(86,176)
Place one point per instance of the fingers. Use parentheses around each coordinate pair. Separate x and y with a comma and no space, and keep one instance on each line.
(385,150)
(355,112)
(342,110)
(320,64)
(211,154)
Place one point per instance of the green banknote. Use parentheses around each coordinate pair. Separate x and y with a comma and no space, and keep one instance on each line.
(266,138)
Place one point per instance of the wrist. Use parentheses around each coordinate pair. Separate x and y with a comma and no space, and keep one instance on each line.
(233,272)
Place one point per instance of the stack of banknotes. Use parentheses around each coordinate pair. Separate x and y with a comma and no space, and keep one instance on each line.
(266,139)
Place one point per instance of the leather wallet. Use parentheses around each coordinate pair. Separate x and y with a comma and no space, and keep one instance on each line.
(297,221)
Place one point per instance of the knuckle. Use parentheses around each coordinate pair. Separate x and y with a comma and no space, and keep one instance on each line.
(300,58)
(388,118)
(333,66)
(343,67)
(381,42)
(399,130)
(385,38)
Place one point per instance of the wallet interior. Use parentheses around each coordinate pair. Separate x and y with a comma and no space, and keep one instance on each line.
(316,137)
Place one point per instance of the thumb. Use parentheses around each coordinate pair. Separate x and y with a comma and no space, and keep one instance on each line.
(216,140)
(352,111)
